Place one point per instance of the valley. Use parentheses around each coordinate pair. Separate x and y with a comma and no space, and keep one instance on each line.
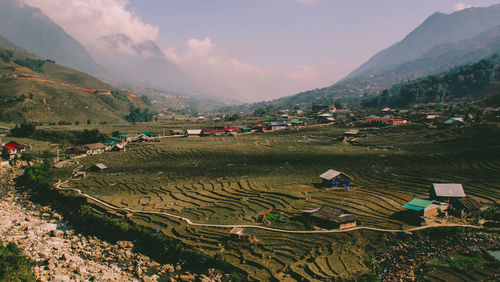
(127,153)
(222,181)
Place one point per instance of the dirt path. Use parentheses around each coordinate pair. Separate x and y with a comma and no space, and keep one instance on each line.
(188,221)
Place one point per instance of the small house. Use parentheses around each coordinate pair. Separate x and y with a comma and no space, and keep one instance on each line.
(148,133)
(393,121)
(119,147)
(246,129)
(12,149)
(214,132)
(109,144)
(325,115)
(95,148)
(236,232)
(332,178)
(98,167)
(193,132)
(278,126)
(352,132)
(330,218)
(424,208)
(177,132)
(124,138)
(453,121)
(446,192)
(230,129)
(140,138)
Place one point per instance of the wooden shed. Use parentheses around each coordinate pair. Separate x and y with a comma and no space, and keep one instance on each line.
(98,167)
(333,178)
(330,218)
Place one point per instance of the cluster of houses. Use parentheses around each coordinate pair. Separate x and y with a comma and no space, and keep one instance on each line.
(444,198)
(115,143)
(256,127)
(13,149)
(215,131)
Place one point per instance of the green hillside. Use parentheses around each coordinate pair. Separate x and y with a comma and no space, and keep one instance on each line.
(39,90)
(468,82)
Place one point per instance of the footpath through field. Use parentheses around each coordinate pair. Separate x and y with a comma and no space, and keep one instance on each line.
(188,221)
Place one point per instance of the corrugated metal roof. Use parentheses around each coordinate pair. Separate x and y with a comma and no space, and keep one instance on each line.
(417,202)
(412,207)
(448,190)
(194,131)
(100,166)
(331,174)
(352,132)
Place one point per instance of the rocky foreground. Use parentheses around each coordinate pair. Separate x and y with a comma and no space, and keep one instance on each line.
(61,255)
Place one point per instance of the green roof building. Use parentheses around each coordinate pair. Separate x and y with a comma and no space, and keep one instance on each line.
(417,204)
(425,208)
(147,133)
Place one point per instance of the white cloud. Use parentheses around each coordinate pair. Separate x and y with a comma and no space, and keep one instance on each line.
(308,1)
(89,20)
(219,74)
(231,77)
(460,6)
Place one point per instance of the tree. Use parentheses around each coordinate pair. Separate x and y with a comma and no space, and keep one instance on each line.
(136,115)
(21,98)
(25,130)
(337,104)
(232,117)
(91,136)
(5,55)
(32,64)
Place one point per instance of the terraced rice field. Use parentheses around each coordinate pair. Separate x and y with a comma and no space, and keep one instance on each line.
(232,180)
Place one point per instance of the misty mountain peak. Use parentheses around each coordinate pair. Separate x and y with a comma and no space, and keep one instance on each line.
(124,44)
(437,29)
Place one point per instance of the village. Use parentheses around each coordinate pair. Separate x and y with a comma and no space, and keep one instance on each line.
(445,201)
(444,204)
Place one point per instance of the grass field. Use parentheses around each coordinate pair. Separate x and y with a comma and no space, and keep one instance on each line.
(232,180)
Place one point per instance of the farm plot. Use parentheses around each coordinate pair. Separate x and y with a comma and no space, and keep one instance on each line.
(233,180)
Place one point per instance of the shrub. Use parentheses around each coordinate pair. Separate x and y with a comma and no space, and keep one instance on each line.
(14,266)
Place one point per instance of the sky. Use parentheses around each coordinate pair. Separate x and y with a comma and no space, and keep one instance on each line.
(254,50)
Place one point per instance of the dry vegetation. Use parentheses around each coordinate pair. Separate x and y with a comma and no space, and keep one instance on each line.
(231,180)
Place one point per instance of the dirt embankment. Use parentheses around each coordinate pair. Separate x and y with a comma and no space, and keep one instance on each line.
(60,254)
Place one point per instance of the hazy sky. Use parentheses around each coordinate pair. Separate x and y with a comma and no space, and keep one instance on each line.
(260,49)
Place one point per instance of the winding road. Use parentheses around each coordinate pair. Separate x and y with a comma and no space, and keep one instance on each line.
(190,222)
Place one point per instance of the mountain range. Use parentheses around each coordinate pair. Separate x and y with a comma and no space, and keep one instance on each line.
(440,43)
